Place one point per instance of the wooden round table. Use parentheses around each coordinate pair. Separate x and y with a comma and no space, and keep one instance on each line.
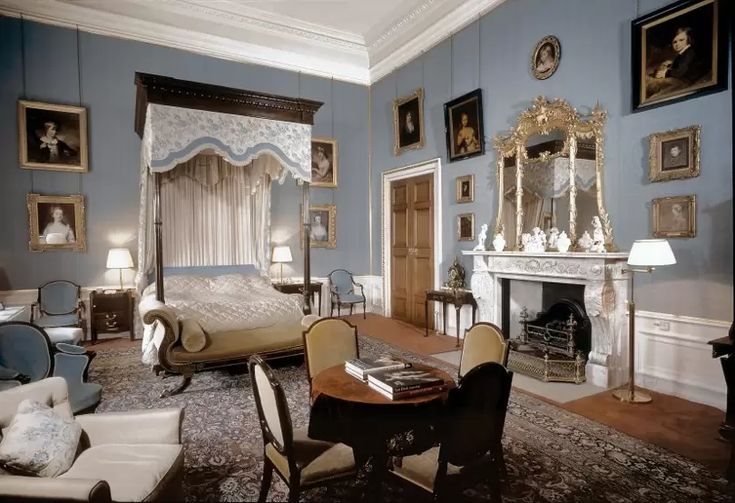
(337,383)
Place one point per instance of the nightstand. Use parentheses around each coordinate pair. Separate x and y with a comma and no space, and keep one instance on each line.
(315,287)
(111,312)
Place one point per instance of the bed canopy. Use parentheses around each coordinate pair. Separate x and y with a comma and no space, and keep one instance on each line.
(177,120)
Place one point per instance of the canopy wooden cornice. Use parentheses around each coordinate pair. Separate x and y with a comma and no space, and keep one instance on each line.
(187,94)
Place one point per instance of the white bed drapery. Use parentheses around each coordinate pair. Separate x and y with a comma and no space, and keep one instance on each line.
(174,135)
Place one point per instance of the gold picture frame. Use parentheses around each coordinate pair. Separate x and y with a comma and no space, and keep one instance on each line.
(465,189)
(674,155)
(324,162)
(541,66)
(322,236)
(52,137)
(59,219)
(675,217)
(466,227)
(408,133)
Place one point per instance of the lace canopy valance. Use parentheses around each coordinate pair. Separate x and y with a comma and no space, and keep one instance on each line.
(173,135)
(551,178)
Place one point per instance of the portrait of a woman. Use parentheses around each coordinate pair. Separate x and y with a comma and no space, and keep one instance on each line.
(58,230)
(466,137)
(545,57)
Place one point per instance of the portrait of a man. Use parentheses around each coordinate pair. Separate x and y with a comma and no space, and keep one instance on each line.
(465,189)
(466,227)
(463,121)
(56,222)
(674,216)
(408,122)
(52,137)
(677,52)
(322,220)
(675,154)
(545,58)
(324,162)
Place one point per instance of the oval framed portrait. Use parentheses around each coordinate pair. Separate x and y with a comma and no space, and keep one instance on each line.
(545,58)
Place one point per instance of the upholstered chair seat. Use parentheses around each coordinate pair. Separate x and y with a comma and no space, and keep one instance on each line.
(57,320)
(483,342)
(421,469)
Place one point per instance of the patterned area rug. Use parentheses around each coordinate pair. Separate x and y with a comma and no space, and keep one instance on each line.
(552,455)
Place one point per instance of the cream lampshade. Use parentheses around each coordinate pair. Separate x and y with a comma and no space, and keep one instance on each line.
(281,255)
(119,258)
(645,254)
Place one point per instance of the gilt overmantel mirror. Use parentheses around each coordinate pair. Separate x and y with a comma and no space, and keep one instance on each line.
(550,172)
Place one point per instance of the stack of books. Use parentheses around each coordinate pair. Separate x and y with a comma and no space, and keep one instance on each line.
(362,367)
(405,383)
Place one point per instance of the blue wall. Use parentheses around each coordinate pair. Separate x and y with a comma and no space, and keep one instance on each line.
(494,53)
(103,82)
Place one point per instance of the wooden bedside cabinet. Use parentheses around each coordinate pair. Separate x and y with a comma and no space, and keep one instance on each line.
(111,312)
(315,288)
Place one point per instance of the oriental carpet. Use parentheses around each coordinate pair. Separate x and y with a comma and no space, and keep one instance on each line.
(552,455)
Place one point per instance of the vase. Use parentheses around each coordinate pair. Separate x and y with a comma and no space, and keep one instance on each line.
(563,243)
(499,243)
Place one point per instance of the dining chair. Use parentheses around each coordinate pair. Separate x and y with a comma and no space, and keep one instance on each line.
(329,342)
(301,462)
(483,342)
(470,446)
(27,351)
(342,292)
(59,304)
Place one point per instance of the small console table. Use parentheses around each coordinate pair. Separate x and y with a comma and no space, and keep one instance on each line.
(315,287)
(458,298)
(724,348)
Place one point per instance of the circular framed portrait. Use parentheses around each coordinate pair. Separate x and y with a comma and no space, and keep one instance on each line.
(545,58)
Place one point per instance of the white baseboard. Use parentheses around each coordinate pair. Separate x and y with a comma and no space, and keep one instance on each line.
(673,357)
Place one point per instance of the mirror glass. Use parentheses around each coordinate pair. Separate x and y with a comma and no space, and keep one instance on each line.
(543,146)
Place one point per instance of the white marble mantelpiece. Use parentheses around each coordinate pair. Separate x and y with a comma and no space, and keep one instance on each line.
(605,292)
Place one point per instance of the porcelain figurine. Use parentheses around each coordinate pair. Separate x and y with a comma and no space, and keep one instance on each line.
(585,242)
(499,240)
(481,239)
(553,237)
(563,242)
(534,242)
(598,236)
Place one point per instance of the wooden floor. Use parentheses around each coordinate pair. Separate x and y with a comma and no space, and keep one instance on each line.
(681,426)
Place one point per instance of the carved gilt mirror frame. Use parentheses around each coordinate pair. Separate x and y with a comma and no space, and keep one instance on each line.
(542,118)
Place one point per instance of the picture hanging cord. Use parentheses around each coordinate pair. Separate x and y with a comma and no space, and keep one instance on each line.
(79,82)
(334,157)
(451,66)
(479,51)
(23,70)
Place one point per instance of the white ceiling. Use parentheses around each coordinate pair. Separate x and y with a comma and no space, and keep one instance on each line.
(353,40)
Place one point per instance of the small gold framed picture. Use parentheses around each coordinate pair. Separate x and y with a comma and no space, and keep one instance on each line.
(324,162)
(545,58)
(675,217)
(52,137)
(466,227)
(465,189)
(323,219)
(674,155)
(408,122)
(56,223)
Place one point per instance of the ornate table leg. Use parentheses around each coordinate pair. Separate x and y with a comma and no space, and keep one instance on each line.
(426,315)
(457,308)
(371,468)
(444,315)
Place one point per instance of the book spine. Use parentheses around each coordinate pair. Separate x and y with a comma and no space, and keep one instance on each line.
(397,366)
(419,392)
(409,387)
(355,374)
(383,392)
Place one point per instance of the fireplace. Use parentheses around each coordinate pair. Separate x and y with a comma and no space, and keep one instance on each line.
(598,276)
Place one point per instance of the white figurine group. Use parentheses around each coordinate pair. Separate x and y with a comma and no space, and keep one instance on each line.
(537,242)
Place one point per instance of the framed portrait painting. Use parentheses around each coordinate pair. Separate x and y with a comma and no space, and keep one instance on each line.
(324,162)
(56,223)
(679,52)
(463,124)
(674,155)
(466,227)
(545,58)
(323,219)
(465,188)
(52,137)
(408,122)
(675,217)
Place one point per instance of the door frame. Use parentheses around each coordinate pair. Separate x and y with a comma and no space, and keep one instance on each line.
(433,167)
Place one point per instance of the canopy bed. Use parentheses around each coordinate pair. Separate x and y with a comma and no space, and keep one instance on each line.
(208,156)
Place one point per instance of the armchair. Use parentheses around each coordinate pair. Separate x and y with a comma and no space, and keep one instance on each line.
(342,291)
(27,355)
(124,456)
(59,304)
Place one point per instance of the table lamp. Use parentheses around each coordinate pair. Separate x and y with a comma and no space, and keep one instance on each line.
(645,255)
(281,255)
(119,258)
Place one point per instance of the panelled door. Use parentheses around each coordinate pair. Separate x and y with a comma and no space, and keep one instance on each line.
(412,247)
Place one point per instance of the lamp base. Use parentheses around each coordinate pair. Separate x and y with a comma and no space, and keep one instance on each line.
(632,396)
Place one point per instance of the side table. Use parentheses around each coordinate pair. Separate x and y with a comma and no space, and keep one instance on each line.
(724,348)
(315,287)
(111,312)
(458,298)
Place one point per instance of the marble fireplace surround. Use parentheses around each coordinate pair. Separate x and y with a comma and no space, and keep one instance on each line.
(605,292)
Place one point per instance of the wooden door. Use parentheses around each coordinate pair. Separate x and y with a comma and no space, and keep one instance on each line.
(412,247)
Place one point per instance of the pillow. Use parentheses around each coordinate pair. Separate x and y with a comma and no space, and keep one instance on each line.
(193,337)
(38,441)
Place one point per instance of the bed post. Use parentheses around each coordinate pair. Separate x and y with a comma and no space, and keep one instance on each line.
(307,249)
(159,240)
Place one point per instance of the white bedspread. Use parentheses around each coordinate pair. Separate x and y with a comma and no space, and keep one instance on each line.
(229,301)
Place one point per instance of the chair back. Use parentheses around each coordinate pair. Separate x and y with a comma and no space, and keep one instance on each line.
(27,349)
(272,406)
(475,414)
(59,297)
(340,281)
(483,342)
(52,392)
(329,342)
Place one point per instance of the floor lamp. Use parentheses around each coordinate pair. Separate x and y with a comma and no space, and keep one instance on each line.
(645,255)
